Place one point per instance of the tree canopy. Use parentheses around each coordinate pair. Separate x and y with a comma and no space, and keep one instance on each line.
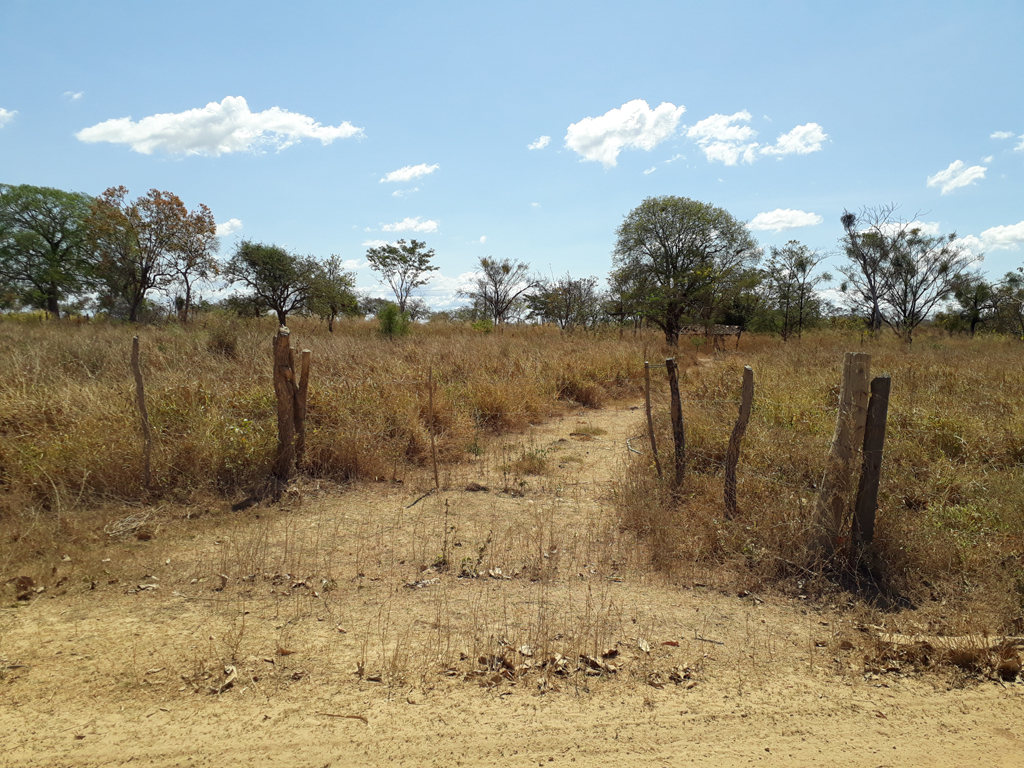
(683,259)
(404,266)
(274,279)
(501,287)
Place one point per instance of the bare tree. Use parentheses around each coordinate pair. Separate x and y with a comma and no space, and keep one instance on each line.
(501,287)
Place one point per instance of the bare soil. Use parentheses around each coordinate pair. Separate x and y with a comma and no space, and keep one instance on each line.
(510,626)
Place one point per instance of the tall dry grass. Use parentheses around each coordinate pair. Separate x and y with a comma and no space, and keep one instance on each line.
(950,526)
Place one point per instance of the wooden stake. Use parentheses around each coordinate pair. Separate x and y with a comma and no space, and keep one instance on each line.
(678,434)
(650,420)
(301,399)
(140,399)
(430,406)
(732,456)
(834,498)
(284,388)
(871,472)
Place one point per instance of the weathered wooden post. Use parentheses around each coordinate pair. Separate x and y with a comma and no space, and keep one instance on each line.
(834,498)
(732,455)
(650,419)
(140,399)
(867,491)
(430,405)
(678,434)
(285,389)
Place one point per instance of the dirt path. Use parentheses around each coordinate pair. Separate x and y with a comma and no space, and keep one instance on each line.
(361,630)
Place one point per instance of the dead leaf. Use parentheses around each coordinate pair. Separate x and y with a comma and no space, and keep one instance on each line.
(673,643)
(643,645)
(285,651)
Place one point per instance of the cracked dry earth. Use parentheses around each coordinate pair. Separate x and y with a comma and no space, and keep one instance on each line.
(510,626)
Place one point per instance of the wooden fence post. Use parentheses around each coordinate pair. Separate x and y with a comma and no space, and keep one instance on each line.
(732,456)
(867,491)
(430,405)
(284,388)
(301,400)
(140,399)
(650,420)
(834,497)
(678,434)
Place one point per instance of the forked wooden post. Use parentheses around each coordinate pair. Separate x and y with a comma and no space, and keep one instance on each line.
(678,433)
(284,388)
(871,472)
(732,456)
(140,399)
(301,400)
(650,419)
(430,406)
(834,498)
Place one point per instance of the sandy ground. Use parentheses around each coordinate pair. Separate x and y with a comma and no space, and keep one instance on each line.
(358,628)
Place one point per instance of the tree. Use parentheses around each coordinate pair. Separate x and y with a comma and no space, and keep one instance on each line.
(897,272)
(402,266)
(44,251)
(192,260)
(568,302)
(1010,303)
(687,256)
(146,245)
(334,292)
(275,279)
(500,287)
(790,286)
(976,300)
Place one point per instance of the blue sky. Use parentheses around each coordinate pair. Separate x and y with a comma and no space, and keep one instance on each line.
(327,126)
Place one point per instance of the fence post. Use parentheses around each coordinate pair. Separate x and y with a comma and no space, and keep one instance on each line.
(140,399)
(430,405)
(301,400)
(678,434)
(834,498)
(284,388)
(650,420)
(732,456)
(867,491)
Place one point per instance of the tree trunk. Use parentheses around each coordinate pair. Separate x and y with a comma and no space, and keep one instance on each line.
(52,303)
(282,317)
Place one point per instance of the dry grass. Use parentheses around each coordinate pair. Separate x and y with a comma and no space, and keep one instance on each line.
(951,509)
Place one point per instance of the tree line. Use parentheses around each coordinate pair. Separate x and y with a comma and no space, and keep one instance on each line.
(676,263)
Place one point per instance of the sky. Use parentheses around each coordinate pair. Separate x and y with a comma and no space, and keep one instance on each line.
(524,130)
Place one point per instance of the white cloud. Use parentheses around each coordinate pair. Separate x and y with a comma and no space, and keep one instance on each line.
(971,245)
(802,140)
(891,228)
(74,96)
(1002,135)
(404,192)
(782,219)
(410,224)
(674,158)
(356,263)
(483,239)
(1020,147)
(1004,237)
(228,227)
(535,205)
(650,170)
(634,124)
(410,172)
(721,139)
(988,159)
(6,116)
(442,291)
(215,129)
(956,176)
(374,243)
(540,143)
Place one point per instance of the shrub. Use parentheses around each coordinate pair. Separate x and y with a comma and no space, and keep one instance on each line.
(393,322)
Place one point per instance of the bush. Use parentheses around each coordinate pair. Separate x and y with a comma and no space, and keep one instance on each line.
(393,322)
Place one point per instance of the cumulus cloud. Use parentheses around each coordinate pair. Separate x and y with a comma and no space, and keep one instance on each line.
(442,292)
(1001,135)
(74,96)
(540,143)
(409,172)
(483,239)
(724,138)
(374,243)
(1004,237)
(357,263)
(988,159)
(411,224)
(6,116)
(228,227)
(404,192)
(802,140)
(633,125)
(956,176)
(782,219)
(216,129)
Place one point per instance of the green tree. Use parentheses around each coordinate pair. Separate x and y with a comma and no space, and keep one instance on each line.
(977,300)
(333,292)
(501,287)
(1010,303)
(403,266)
(44,252)
(273,278)
(567,302)
(193,259)
(687,257)
(790,287)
